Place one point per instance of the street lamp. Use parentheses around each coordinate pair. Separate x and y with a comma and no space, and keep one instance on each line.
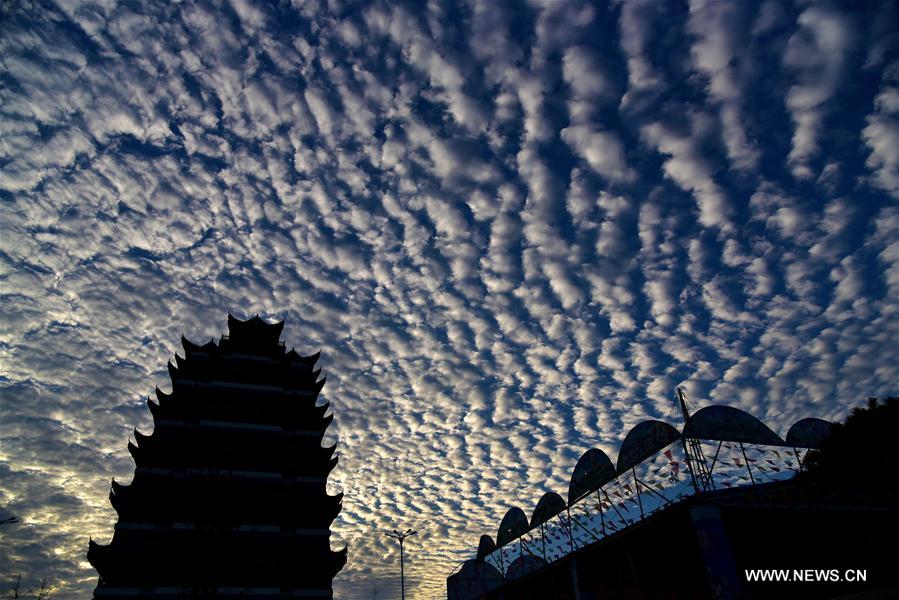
(400,537)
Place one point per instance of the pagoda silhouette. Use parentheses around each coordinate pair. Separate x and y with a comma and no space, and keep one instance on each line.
(228,497)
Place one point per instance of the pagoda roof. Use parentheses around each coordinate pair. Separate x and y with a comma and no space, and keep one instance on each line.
(294,356)
(254,331)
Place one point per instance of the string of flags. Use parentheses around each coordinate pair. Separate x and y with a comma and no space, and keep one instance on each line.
(655,483)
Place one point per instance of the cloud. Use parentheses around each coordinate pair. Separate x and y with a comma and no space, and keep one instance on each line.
(510,232)
(881,134)
(720,37)
(818,54)
(603,151)
(687,166)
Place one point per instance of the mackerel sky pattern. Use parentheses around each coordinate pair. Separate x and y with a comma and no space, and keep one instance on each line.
(512,228)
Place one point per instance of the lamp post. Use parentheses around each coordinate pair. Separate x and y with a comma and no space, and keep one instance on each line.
(400,537)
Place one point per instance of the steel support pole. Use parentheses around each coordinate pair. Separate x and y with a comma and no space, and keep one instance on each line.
(570,534)
(402,572)
(543,538)
(746,460)
(637,486)
(602,517)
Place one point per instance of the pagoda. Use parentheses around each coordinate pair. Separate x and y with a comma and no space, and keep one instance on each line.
(228,497)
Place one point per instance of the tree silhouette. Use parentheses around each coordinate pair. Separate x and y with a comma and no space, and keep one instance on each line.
(860,453)
(42,593)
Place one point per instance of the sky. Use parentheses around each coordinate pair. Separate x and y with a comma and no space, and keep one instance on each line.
(511,228)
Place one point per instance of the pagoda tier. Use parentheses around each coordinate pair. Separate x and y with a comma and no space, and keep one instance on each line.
(229,491)
(219,401)
(224,446)
(163,498)
(216,558)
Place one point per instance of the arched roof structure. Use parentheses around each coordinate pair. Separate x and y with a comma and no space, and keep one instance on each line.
(548,507)
(513,525)
(644,440)
(809,432)
(729,424)
(523,565)
(474,579)
(485,547)
(593,469)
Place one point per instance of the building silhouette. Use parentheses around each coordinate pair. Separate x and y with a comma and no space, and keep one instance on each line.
(699,513)
(228,497)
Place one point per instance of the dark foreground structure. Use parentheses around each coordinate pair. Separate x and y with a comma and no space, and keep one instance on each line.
(724,509)
(228,497)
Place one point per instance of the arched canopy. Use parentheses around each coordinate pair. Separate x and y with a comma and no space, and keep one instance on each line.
(809,432)
(485,547)
(594,469)
(729,424)
(474,569)
(473,580)
(523,565)
(644,440)
(548,507)
(513,525)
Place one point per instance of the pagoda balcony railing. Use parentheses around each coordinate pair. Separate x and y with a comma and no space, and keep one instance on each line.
(255,529)
(281,343)
(227,473)
(256,387)
(240,426)
(256,593)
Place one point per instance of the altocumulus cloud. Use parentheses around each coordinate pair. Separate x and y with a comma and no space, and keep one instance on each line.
(512,228)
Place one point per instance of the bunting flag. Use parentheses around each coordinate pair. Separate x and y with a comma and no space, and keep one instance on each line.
(675,467)
(668,455)
(737,462)
(617,493)
(627,488)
